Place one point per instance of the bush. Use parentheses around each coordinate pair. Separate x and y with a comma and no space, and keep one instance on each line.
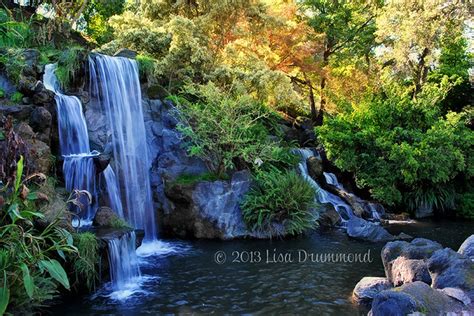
(279,197)
(69,64)
(228,130)
(30,273)
(16,97)
(403,149)
(87,260)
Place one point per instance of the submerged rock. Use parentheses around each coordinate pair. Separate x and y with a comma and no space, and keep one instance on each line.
(368,287)
(328,216)
(361,229)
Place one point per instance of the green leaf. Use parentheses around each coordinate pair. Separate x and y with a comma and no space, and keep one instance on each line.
(19,173)
(2,135)
(4,295)
(14,213)
(27,280)
(32,196)
(56,271)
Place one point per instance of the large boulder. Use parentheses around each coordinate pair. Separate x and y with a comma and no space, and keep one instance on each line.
(451,269)
(207,209)
(127,53)
(409,270)
(361,229)
(414,297)
(418,248)
(39,151)
(467,247)
(368,287)
(40,119)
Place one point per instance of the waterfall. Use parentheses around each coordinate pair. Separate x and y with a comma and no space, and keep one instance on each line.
(115,88)
(323,196)
(332,179)
(78,167)
(123,264)
(113,191)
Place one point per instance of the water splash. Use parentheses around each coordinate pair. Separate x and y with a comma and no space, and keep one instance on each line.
(323,196)
(78,167)
(115,88)
(332,180)
(123,262)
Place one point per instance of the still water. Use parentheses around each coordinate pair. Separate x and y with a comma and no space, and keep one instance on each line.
(200,277)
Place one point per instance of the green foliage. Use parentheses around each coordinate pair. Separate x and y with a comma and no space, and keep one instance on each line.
(13,61)
(119,223)
(189,179)
(31,274)
(13,33)
(281,198)
(16,97)
(69,64)
(227,130)
(466,204)
(402,149)
(2,93)
(146,67)
(87,261)
(96,16)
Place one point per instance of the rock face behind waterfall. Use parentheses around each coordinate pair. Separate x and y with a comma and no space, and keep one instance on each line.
(421,277)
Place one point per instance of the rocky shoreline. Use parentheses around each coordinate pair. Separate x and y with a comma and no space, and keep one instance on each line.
(421,277)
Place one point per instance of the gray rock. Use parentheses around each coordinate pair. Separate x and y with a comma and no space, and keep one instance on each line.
(451,269)
(409,270)
(42,95)
(19,112)
(207,209)
(414,297)
(457,294)
(418,248)
(467,247)
(368,287)
(40,119)
(328,216)
(391,303)
(315,167)
(361,229)
(105,217)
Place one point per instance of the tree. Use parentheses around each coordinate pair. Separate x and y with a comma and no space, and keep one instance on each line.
(411,32)
(346,25)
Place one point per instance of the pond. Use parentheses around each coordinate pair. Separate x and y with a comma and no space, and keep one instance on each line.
(192,276)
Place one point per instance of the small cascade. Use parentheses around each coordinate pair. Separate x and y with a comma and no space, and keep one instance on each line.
(78,167)
(123,264)
(113,191)
(374,212)
(115,88)
(332,179)
(323,196)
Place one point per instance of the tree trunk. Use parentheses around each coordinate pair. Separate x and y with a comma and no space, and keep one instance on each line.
(312,103)
(322,86)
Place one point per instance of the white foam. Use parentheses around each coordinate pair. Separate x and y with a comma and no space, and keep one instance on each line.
(160,248)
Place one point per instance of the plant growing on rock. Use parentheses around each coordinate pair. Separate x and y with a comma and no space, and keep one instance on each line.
(228,130)
(279,198)
(31,272)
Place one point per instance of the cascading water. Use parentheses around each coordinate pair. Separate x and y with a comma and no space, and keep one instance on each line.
(123,264)
(322,196)
(115,88)
(78,167)
(332,179)
(113,191)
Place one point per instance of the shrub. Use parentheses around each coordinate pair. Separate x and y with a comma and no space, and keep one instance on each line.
(2,93)
(279,197)
(87,260)
(188,179)
(403,149)
(69,64)
(228,130)
(30,273)
(16,97)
